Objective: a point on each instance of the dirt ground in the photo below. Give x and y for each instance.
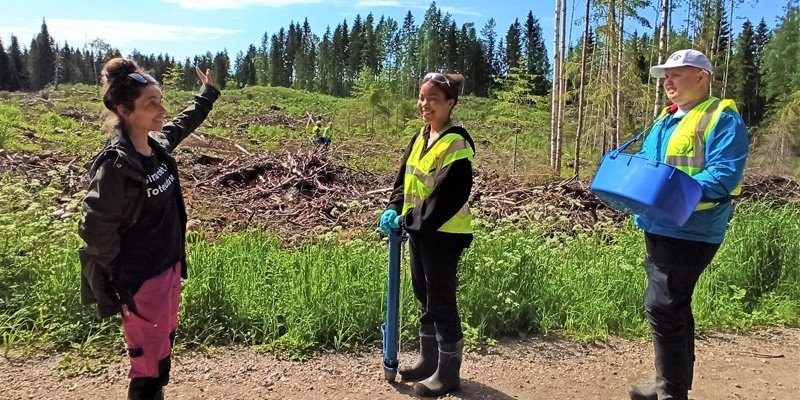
(761, 365)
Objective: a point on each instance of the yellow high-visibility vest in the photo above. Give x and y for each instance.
(686, 149)
(422, 168)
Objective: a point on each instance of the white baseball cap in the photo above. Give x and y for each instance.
(681, 58)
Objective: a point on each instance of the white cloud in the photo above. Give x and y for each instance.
(378, 3)
(460, 11)
(232, 4)
(451, 10)
(421, 5)
(118, 33)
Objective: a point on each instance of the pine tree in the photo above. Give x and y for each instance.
(276, 56)
(463, 55)
(452, 62)
(537, 64)
(189, 74)
(87, 67)
(489, 41)
(639, 48)
(66, 70)
(388, 46)
(514, 94)
(340, 59)
(291, 48)
(479, 63)
(409, 55)
(250, 66)
(502, 67)
(5, 69)
(220, 69)
(782, 58)
(430, 41)
(310, 55)
(372, 52)
(761, 40)
(42, 59)
(513, 52)
(173, 77)
(19, 72)
(356, 50)
(748, 77)
(325, 64)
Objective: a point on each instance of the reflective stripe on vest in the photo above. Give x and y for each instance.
(686, 149)
(423, 169)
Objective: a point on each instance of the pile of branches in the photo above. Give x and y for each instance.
(303, 189)
(46, 166)
(568, 202)
(307, 191)
(778, 189)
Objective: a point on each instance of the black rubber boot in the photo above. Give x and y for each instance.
(447, 377)
(645, 391)
(145, 389)
(428, 353)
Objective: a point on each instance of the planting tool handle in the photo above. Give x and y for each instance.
(391, 329)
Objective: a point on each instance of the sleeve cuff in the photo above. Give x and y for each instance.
(209, 92)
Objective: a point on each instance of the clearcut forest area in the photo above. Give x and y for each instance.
(287, 284)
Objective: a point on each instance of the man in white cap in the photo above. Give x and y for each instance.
(705, 137)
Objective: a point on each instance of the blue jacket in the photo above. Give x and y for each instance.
(727, 148)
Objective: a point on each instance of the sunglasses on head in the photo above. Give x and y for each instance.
(436, 76)
(141, 78)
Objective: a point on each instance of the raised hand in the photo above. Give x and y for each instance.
(204, 78)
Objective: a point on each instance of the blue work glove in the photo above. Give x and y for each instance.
(389, 220)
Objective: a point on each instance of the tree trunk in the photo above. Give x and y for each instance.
(610, 74)
(728, 58)
(562, 88)
(689, 26)
(662, 48)
(618, 83)
(715, 50)
(605, 134)
(57, 66)
(582, 92)
(555, 87)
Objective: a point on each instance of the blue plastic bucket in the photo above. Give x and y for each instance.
(636, 185)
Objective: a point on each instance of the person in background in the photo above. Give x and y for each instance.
(317, 128)
(705, 137)
(134, 222)
(429, 201)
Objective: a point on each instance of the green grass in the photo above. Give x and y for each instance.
(271, 137)
(9, 117)
(326, 294)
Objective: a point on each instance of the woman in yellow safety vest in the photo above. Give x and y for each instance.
(429, 201)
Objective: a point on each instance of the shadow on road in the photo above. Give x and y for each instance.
(470, 390)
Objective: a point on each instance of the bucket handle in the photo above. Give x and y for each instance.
(615, 152)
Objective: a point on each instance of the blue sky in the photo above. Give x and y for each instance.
(187, 27)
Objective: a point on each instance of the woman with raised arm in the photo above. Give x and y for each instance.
(134, 224)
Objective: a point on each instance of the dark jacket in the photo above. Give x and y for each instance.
(451, 190)
(112, 204)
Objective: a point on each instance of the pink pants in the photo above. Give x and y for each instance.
(150, 331)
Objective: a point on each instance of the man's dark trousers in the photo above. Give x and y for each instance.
(673, 267)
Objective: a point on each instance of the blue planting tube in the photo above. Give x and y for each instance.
(391, 329)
